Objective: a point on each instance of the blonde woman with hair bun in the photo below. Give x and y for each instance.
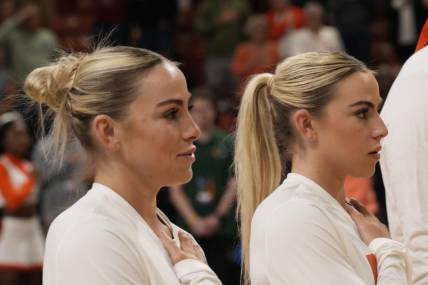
(129, 109)
(301, 131)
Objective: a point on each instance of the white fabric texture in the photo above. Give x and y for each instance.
(302, 235)
(102, 240)
(404, 161)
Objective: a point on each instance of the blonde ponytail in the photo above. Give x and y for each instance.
(257, 159)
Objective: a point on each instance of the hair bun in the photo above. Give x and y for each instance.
(50, 84)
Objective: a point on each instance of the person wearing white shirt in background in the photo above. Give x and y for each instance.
(316, 118)
(404, 161)
(129, 109)
(314, 37)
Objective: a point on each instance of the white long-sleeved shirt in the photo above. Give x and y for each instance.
(102, 240)
(301, 235)
(404, 161)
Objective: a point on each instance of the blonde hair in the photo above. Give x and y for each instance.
(78, 87)
(264, 134)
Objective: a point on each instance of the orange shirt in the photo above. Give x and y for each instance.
(15, 196)
(292, 18)
(250, 58)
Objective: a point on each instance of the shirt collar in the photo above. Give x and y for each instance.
(313, 188)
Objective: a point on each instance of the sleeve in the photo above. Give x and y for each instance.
(194, 272)
(404, 163)
(393, 263)
(303, 249)
(97, 257)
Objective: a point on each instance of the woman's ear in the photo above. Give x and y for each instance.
(106, 132)
(302, 121)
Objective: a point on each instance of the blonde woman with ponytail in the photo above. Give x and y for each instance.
(129, 109)
(300, 132)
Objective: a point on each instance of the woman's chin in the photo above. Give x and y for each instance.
(182, 178)
(364, 172)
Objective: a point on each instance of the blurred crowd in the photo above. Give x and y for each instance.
(219, 45)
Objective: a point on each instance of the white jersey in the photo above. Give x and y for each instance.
(404, 161)
(301, 235)
(102, 240)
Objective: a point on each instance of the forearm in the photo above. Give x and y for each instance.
(183, 205)
(227, 200)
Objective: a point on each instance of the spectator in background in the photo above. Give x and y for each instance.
(283, 17)
(7, 86)
(206, 204)
(316, 36)
(111, 19)
(408, 19)
(21, 239)
(388, 65)
(351, 17)
(73, 24)
(7, 9)
(153, 24)
(29, 44)
(258, 54)
(220, 22)
(192, 59)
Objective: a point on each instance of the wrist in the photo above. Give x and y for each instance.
(193, 221)
(217, 215)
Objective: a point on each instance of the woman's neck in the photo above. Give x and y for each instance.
(140, 195)
(319, 172)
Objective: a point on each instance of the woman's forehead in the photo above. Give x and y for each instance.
(358, 86)
(164, 82)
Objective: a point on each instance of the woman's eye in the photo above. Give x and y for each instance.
(171, 114)
(362, 114)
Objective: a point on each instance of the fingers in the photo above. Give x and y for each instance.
(355, 215)
(169, 244)
(360, 207)
(185, 241)
(200, 253)
(189, 246)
